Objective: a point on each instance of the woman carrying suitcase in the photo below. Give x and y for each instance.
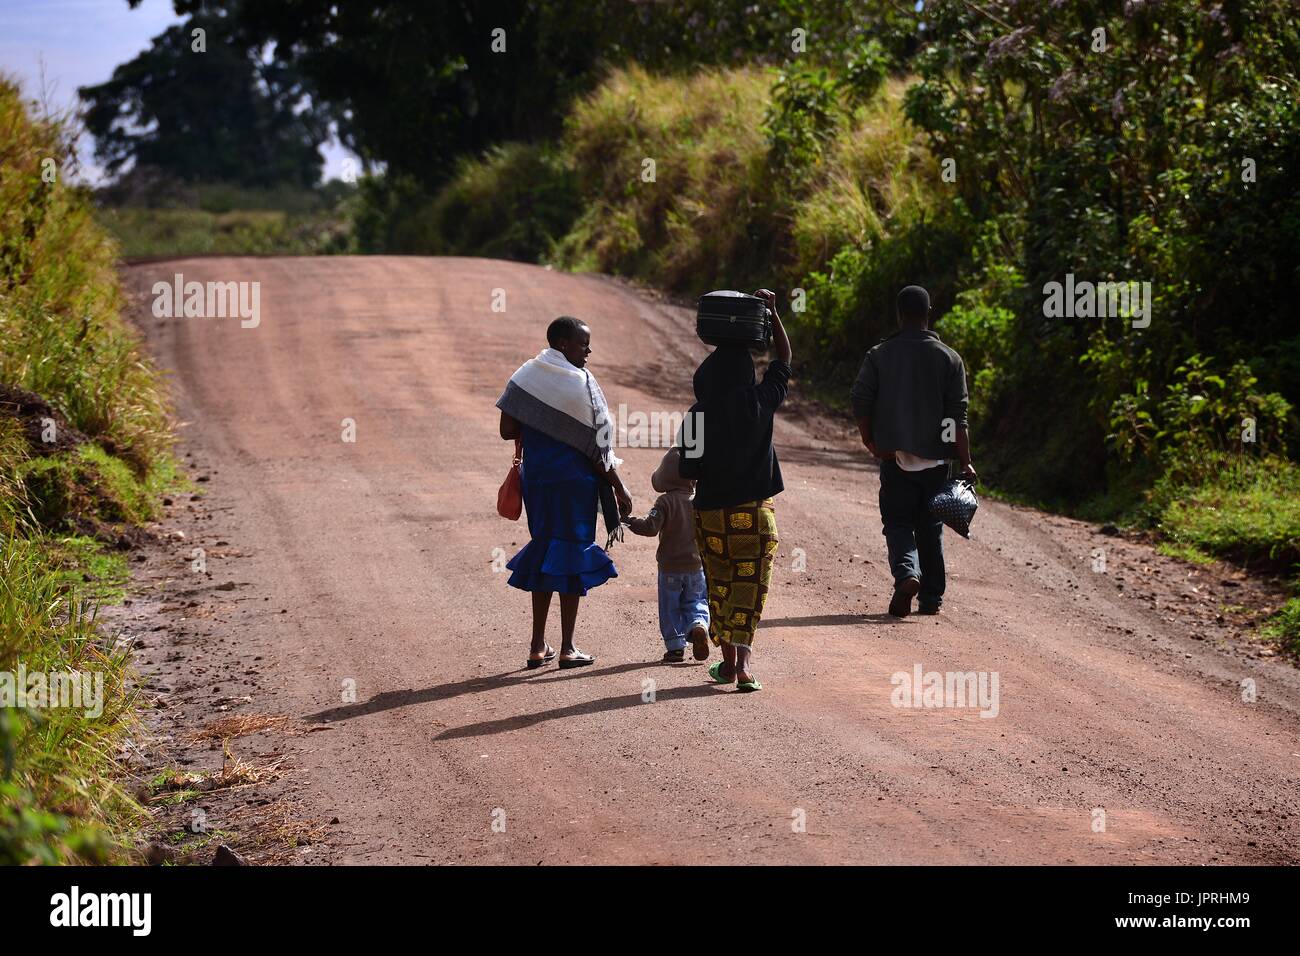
(736, 478)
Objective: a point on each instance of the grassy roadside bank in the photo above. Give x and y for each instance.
(84, 451)
(825, 188)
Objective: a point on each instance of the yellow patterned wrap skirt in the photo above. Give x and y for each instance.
(738, 546)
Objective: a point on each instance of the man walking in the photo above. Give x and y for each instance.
(910, 403)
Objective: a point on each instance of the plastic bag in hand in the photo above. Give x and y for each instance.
(955, 505)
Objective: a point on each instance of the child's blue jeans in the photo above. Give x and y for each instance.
(683, 603)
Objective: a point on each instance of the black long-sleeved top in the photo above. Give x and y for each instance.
(912, 388)
(738, 463)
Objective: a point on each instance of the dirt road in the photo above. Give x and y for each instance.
(1121, 732)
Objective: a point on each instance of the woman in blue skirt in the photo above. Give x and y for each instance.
(569, 472)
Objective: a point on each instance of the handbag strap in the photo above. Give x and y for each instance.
(519, 451)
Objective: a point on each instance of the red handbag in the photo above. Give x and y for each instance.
(510, 497)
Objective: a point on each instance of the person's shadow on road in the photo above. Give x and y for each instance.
(829, 620)
(505, 724)
(389, 700)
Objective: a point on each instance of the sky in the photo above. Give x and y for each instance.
(78, 43)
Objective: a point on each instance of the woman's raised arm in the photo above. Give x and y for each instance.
(780, 341)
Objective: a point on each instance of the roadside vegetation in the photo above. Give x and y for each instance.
(84, 452)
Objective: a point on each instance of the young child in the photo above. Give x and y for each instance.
(683, 596)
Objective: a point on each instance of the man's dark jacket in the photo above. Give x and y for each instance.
(912, 388)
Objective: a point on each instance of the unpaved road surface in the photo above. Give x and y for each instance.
(1121, 733)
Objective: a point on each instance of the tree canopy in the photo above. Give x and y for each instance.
(204, 105)
(414, 85)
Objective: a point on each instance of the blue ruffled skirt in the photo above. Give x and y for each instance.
(561, 499)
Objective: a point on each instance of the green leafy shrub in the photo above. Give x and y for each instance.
(865, 70)
(802, 119)
(391, 216)
(514, 202)
(1201, 412)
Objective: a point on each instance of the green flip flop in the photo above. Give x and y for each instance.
(713, 672)
(749, 686)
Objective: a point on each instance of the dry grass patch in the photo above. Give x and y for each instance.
(241, 725)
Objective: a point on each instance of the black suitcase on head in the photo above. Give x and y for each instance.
(726, 317)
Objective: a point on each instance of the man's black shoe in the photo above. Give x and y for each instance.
(904, 591)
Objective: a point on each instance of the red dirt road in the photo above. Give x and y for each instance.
(373, 562)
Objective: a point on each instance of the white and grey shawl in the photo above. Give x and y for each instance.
(564, 402)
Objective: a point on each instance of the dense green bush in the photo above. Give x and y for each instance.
(851, 305)
(514, 202)
(1129, 163)
(391, 216)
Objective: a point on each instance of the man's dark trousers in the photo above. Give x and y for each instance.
(913, 535)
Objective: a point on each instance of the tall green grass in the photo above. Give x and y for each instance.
(59, 796)
(718, 210)
(513, 202)
(61, 330)
(62, 336)
(700, 213)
